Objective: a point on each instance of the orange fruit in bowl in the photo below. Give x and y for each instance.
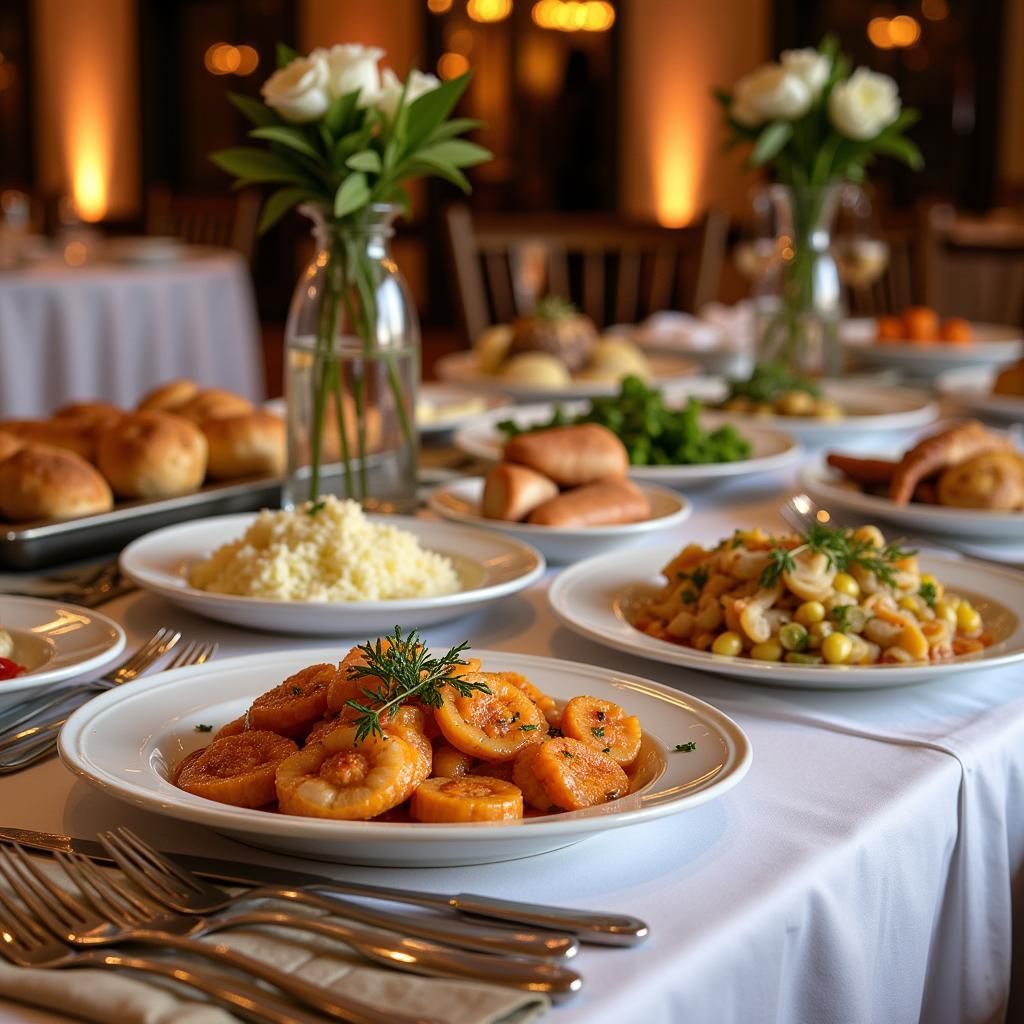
(890, 328)
(920, 323)
(956, 329)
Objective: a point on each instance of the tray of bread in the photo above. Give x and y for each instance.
(92, 476)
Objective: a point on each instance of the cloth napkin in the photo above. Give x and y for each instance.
(125, 997)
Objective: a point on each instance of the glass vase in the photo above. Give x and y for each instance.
(800, 305)
(352, 365)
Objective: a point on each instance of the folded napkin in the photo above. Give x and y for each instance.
(126, 997)
(717, 327)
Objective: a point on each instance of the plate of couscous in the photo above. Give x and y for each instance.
(327, 568)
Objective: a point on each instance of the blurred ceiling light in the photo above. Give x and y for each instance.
(88, 182)
(904, 30)
(574, 15)
(489, 10)
(878, 33)
(439, 6)
(225, 59)
(935, 10)
(451, 65)
(248, 60)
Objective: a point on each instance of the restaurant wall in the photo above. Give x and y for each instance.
(673, 54)
(1011, 141)
(86, 89)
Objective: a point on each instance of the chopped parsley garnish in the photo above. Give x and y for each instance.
(204, 728)
(840, 616)
(527, 728)
(598, 731)
(297, 691)
(686, 748)
(606, 750)
(315, 507)
(699, 577)
(567, 754)
(688, 597)
(928, 593)
(600, 716)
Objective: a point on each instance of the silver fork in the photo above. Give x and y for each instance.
(108, 914)
(28, 944)
(415, 955)
(159, 643)
(175, 887)
(38, 742)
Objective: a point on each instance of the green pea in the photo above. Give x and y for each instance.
(793, 637)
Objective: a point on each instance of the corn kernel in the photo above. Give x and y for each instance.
(728, 644)
(844, 583)
(836, 648)
(810, 612)
(770, 650)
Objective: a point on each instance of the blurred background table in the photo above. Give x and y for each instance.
(115, 330)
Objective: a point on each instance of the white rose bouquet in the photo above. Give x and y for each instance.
(816, 125)
(340, 138)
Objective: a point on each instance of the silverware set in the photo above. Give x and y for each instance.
(88, 586)
(29, 729)
(91, 916)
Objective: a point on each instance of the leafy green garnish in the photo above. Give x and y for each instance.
(405, 669)
(554, 308)
(315, 507)
(653, 434)
(769, 381)
(598, 731)
(686, 748)
(840, 615)
(204, 728)
(928, 593)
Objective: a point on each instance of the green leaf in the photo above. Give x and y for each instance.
(293, 138)
(367, 160)
(901, 148)
(254, 111)
(430, 109)
(439, 169)
(285, 55)
(456, 126)
(456, 152)
(352, 194)
(340, 113)
(258, 165)
(722, 97)
(398, 194)
(279, 204)
(770, 142)
(349, 144)
(829, 46)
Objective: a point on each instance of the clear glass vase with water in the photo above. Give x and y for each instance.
(352, 366)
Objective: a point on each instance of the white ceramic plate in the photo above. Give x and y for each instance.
(460, 502)
(461, 368)
(994, 344)
(971, 387)
(126, 740)
(870, 409)
(772, 449)
(596, 598)
(453, 407)
(55, 642)
(832, 491)
(491, 567)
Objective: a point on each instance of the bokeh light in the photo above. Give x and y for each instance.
(451, 65)
(489, 10)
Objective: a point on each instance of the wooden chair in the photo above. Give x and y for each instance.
(897, 288)
(227, 221)
(974, 266)
(615, 272)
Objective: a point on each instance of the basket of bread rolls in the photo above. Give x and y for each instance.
(564, 489)
(91, 466)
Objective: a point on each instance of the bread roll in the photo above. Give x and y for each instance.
(170, 396)
(599, 504)
(248, 445)
(41, 482)
(152, 455)
(94, 412)
(9, 444)
(213, 403)
(69, 433)
(571, 455)
(513, 492)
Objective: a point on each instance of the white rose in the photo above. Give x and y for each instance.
(809, 66)
(768, 94)
(864, 104)
(391, 89)
(350, 67)
(298, 91)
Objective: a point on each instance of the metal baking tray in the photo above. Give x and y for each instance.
(39, 544)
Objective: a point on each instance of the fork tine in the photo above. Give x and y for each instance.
(115, 903)
(143, 652)
(150, 863)
(208, 652)
(33, 934)
(159, 643)
(50, 911)
(24, 863)
(185, 656)
(151, 880)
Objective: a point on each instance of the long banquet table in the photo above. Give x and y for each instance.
(866, 869)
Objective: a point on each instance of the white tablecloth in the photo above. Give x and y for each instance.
(115, 330)
(861, 872)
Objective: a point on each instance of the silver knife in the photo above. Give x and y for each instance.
(600, 929)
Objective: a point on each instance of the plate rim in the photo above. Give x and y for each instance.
(77, 728)
(767, 673)
(407, 605)
(33, 680)
(683, 510)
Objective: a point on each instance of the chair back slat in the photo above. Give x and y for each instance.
(224, 221)
(614, 271)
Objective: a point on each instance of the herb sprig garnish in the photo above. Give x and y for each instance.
(405, 669)
(842, 550)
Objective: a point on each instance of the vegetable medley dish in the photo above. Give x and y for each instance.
(396, 733)
(833, 597)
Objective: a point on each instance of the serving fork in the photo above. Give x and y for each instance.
(38, 742)
(107, 914)
(178, 889)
